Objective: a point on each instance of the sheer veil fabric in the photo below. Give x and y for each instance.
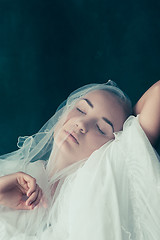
(114, 194)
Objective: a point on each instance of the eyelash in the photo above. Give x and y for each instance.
(81, 111)
(100, 130)
(96, 124)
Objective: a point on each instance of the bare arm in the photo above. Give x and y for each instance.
(148, 108)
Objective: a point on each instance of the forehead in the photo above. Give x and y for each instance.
(102, 98)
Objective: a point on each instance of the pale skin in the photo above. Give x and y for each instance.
(92, 122)
(90, 131)
(19, 191)
(148, 107)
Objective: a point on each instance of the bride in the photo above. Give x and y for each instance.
(91, 172)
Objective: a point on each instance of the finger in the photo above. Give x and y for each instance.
(32, 197)
(23, 206)
(31, 185)
(22, 184)
(37, 200)
(27, 182)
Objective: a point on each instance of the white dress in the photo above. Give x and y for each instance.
(115, 195)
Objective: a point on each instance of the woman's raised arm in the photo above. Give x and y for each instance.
(148, 108)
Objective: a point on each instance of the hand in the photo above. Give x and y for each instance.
(19, 191)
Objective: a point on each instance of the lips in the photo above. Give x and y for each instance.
(73, 136)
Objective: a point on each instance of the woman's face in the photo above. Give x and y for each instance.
(90, 124)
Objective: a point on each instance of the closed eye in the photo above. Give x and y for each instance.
(96, 124)
(80, 110)
(100, 130)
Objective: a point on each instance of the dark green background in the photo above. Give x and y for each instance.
(50, 48)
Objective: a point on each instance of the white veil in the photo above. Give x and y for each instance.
(37, 156)
(40, 145)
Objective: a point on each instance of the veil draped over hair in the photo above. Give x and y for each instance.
(39, 146)
(106, 196)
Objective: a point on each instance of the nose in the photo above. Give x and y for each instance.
(81, 126)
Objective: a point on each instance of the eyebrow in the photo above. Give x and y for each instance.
(109, 122)
(104, 118)
(89, 103)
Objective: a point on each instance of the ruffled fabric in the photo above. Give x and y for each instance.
(114, 195)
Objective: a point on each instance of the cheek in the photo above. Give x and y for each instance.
(65, 120)
(58, 137)
(73, 113)
(94, 142)
(71, 118)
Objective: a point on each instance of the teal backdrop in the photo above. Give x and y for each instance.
(49, 48)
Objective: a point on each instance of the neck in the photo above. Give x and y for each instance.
(57, 161)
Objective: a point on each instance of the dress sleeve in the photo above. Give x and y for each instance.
(117, 192)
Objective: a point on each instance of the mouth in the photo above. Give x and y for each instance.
(72, 137)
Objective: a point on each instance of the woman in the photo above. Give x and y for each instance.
(104, 197)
